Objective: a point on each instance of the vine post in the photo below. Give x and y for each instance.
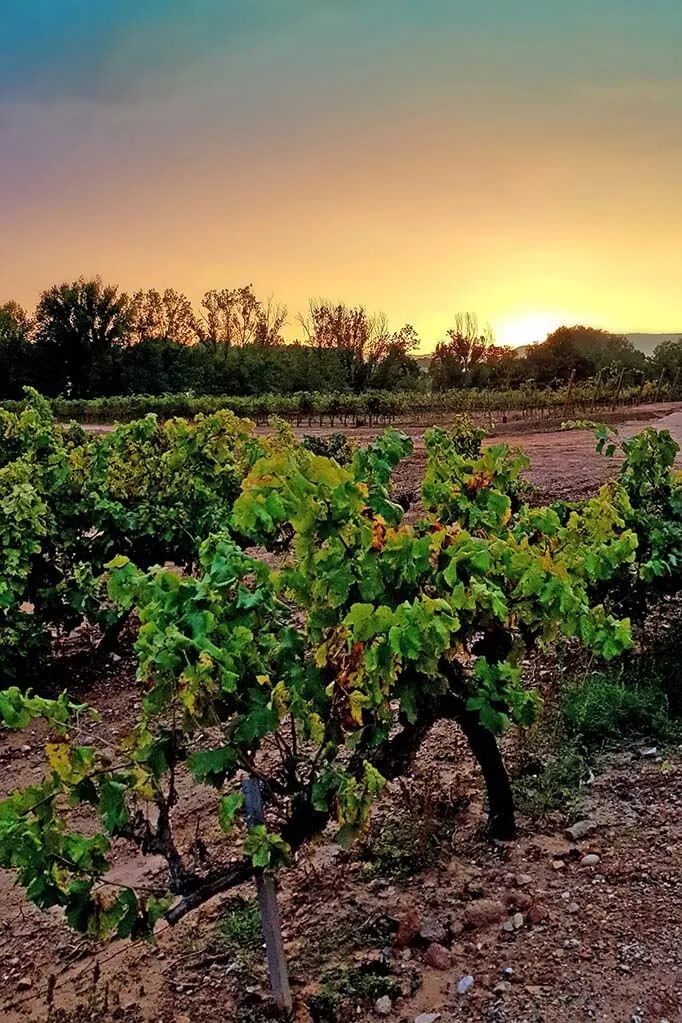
(269, 912)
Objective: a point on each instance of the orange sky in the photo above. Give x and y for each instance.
(515, 166)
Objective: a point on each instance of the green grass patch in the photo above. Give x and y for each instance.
(348, 990)
(605, 707)
(555, 784)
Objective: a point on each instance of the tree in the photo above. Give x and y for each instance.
(235, 317)
(362, 338)
(584, 351)
(467, 346)
(397, 367)
(667, 356)
(17, 365)
(79, 329)
(169, 316)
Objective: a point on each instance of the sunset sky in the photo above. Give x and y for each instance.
(518, 158)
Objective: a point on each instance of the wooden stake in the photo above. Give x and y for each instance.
(569, 391)
(597, 386)
(658, 387)
(269, 913)
(618, 388)
(673, 389)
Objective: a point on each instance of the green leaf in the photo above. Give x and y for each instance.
(227, 809)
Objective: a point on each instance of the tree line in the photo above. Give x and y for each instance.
(87, 339)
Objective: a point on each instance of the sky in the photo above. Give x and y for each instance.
(520, 159)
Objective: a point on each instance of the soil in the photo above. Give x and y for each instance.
(600, 942)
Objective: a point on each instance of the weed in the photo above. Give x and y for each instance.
(403, 844)
(239, 934)
(349, 990)
(554, 785)
(606, 707)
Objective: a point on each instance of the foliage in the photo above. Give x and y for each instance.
(319, 678)
(348, 989)
(554, 784)
(610, 706)
(70, 501)
(336, 446)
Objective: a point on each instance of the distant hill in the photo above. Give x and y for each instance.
(647, 342)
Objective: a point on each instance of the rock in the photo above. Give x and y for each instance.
(383, 1006)
(573, 908)
(508, 926)
(517, 921)
(465, 984)
(455, 927)
(533, 989)
(558, 864)
(503, 988)
(591, 860)
(538, 913)
(24, 983)
(427, 1017)
(408, 928)
(438, 957)
(581, 829)
(523, 879)
(520, 900)
(650, 751)
(25, 748)
(483, 912)
(508, 971)
(182, 1019)
(432, 930)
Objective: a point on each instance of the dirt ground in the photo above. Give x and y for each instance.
(595, 940)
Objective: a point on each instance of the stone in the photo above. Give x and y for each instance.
(438, 957)
(383, 1006)
(519, 900)
(573, 908)
(483, 912)
(533, 989)
(503, 988)
(427, 1017)
(591, 860)
(517, 921)
(432, 930)
(579, 830)
(538, 913)
(523, 879)
(650, 751)
(558, 864)
(24, 983)
(409, 926)
(465, 984)
(25, 748)
(508, 926)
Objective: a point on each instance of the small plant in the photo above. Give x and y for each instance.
(554, 785)
(334, 445)
(607, 707)
(239, 927)
(346, 991)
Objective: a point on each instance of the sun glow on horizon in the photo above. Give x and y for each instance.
(528, 328)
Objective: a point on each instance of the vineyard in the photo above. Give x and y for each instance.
(293, 618)
(345, 409)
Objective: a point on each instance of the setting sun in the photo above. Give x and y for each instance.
(529, 327)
